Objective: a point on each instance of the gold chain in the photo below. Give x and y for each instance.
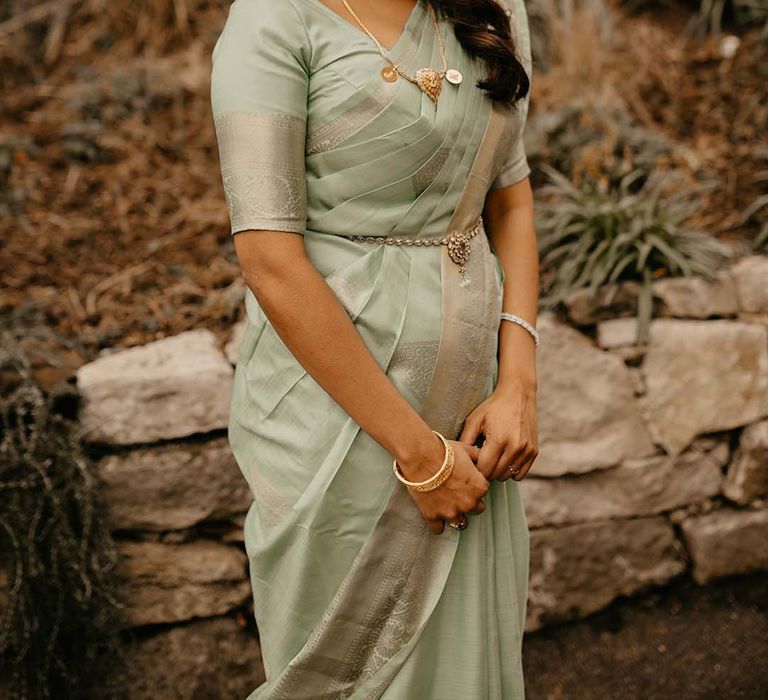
(393, 63)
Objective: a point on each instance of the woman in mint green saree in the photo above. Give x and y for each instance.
(355, 595)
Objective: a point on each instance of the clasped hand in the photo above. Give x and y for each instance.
(508, 423)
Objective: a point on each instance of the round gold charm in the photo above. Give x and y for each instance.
(389, 74)
(453, 76)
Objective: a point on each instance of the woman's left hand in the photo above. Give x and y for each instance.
(508, 421)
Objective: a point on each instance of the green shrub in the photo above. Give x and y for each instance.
(589, 238)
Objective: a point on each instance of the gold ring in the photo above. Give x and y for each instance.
(461, 525)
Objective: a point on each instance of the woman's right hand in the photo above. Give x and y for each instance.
(460, 493)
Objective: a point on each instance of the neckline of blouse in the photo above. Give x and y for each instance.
(407, 31)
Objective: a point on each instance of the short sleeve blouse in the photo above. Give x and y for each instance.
(515, 167)
(261, 66)
(259, 86)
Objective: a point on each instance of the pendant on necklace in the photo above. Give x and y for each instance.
(430, 81)
(389, 74)
(453, 76)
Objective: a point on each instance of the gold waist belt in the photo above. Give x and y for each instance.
(457, 242)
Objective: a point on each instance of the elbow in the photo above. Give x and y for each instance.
(258, 270)
(269, 261)
(262, 275)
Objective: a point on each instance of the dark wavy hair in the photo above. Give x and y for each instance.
(483, 29)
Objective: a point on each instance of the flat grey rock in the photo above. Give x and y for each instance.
(589, 416)
(175, 582)
(727, 542)
(174, 486)
(169, 388)
(703, 376)
(579, 569)
(637, 487)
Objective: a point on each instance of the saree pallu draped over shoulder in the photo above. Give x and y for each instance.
(354, 596)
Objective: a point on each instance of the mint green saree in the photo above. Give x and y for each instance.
(354, 596)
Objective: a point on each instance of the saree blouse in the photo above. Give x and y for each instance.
(313, 140)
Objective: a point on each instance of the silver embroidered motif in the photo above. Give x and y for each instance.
(387, 597)
(413, 364)
(272, 504)
(262, 170)
(332, 134)
(426, 174)
(474, 340)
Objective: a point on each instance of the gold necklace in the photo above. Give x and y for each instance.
(428, 79)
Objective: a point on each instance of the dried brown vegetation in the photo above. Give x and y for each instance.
(112, 204)
(110, 199)
(690, 91)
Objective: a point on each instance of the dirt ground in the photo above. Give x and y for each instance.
(685, 642)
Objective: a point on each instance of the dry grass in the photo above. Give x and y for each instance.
(110, 194)
(114, 203)
(578, 45)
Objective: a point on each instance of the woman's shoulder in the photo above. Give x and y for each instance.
(518, 18)
(293, 13)
(513, 6)
(267, 28)
(261, 13)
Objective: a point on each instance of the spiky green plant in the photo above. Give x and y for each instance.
(759, 208)
(595, 240)
(757, 211)
(58, 612)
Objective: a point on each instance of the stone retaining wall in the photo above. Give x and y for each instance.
(653, 462)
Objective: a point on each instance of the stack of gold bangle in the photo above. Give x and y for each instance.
(434, 481)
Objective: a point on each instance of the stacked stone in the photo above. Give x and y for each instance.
(637, 480)
(653, 463)
(176, 502)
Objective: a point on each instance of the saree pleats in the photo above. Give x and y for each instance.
(353, 570)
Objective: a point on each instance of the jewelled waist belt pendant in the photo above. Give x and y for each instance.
(457, 242)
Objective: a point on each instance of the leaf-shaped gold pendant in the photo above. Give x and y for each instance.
(429, 80)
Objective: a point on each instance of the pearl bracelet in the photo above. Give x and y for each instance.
(506, 316)
(434, 481)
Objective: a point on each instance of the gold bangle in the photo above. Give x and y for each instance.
(438, 478)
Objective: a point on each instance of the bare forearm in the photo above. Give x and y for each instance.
(513, 236)
(316, 328)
